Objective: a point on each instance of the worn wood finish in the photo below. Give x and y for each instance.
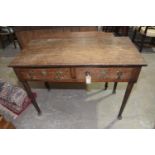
(70, 56)
(98, 50)
(67, 38)
(77, 74)
(117, 74)
(43, 74)
(26, 34)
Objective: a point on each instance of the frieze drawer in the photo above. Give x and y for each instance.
(51, 74)
(118, 74)
(78, 74)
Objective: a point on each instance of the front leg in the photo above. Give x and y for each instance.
(126, 96)
(30, 94)
(114, 88)
(47, 85)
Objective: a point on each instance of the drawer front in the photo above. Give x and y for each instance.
(50, 74)
(78, 74)
(117, 74)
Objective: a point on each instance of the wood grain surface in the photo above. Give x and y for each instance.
(27, 33)
(80, 49)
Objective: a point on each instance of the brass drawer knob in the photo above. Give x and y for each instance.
(57, 78)
(119, 75)
(59, 75)
(44, 73)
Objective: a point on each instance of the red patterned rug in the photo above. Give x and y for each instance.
(13, 99)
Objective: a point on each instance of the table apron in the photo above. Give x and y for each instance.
(78, 74)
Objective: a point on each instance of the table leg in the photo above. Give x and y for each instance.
(126, 96)
(106, 86)
(114, 89)
(47, 86)
(30, 94)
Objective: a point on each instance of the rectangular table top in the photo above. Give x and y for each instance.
(80, 49)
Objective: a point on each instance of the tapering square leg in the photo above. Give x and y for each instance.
(114, 88)
(47, 85)
(106, 86)
(126, 96)
(31, 96)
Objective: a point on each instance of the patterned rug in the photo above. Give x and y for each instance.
(7, 104)
(13, 99)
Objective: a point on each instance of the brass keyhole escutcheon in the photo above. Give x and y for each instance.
(119, 75)
(87, 73)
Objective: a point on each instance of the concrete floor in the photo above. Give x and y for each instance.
(76, 108)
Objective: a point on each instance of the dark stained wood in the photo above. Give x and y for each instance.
(55, 28)
(28, 33)
(72, 72)
(101, 50)
(126, 96)
(107, 74)
(47, 85)
(106, 86)
(30, 94)
(77, 74)
(118, 30)
(114, 88)
(68, 57)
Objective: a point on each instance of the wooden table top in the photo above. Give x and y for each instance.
(80, 49)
